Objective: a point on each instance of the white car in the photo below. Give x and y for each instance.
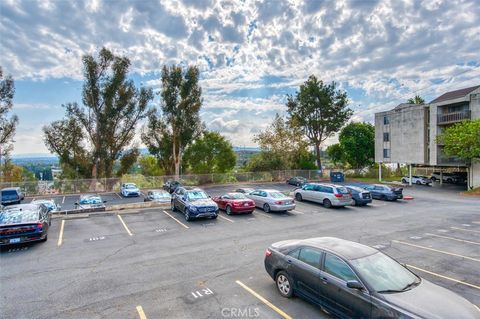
(419, 180)
(271, 200)
(49, 203)
(90, 201)
(129, 189)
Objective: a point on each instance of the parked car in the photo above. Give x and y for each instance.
(297, 181)
(51, 205)
(326, 194)
(160, 196)
(129, 189)
(12, 195)
(24, 223)
(235, 203)
(171, 186)
(351, 280)
(271, 200)
(385, 192)
(244, 190)
(90, 201)
(360, 196)
(460, 177)
(194, 203)
(447, 177)
(418, 180)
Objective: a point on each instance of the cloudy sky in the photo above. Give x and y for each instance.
(250, 53)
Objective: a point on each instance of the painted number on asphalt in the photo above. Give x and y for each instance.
(13, 250)
(161, 230)
(202, 293)
(96, 238)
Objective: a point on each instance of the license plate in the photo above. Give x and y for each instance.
(14, 240)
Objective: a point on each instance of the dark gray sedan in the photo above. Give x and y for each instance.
(351, 280)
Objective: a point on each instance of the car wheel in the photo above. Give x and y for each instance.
(383, 197)
(327, 203)
(404, 181)
(355, 203)
(45, 239)
(228, 210)
(187, 217)
(298, 197)
(214, 217)
(418, 182)
(433, 179)
(173, 207)
(284, 285)
(266, 208)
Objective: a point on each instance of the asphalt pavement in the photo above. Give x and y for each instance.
(154, 264)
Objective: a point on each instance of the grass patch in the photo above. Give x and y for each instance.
(474, 192)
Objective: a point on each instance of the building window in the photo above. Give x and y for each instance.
(386, 153)
(386, 120)
(386, 137)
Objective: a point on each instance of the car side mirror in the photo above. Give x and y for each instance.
(184, 198)
(353, 284)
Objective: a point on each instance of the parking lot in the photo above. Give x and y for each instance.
(151, 263)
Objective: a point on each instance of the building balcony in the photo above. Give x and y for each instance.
(448, 118)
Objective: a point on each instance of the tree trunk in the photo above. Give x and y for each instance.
(176, 158)
(317, 154)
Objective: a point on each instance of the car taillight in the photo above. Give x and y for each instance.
(279, 202)
(268, 253)
(338, 195)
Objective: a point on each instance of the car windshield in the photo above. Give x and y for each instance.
(276, 195)
(160, 195)
(194, 195)
(91, 200)
(130, 186)
(237, 196)
(383, 273)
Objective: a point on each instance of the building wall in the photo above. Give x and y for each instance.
(407, 135)
(475, 104)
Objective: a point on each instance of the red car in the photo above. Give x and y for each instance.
(235, 203)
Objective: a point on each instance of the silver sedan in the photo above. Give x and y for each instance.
(271, 200)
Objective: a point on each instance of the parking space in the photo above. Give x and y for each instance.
(152, 263)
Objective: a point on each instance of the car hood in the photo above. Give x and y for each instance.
(203, 202)
(131, 190)
(431, 301)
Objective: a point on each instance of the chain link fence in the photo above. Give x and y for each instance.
(103, 185)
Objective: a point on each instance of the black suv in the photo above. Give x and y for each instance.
(171, 186)
(194, 203)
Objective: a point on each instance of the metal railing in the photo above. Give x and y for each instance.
(103, 185)
(448, 118)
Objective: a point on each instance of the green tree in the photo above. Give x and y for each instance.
(169, 132)
(462, 140)
(336, 154)
(320, 110)
(211, 153)
(357, 141)
(266, 161)
(112, 107)
(417, 99)
(149, 166)
(287, 141)
(7, 125)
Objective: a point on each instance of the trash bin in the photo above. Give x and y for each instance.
(336, 177)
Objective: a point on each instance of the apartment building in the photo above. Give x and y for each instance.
(407, 134)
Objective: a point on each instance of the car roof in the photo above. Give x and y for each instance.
(89, 195)
(22, 207)
(193, 189)
(11, 189)
(158, 190)
(347, 249)
(357, 188)
(326, 184)
(234, 193)
(268, 190)
(43, 200)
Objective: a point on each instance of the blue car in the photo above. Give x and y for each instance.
(12, 195)
(194, 203)
(360, 196)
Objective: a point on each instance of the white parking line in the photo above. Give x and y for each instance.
(118, 195)
(445, 277)
(467, 230)
(453, 238)
(125, 225)
(141, 313)
(185, 226)
(60, 236)
(63, 200)
(262, 214)
(227, 219)
(436, 250)
(297, 212)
